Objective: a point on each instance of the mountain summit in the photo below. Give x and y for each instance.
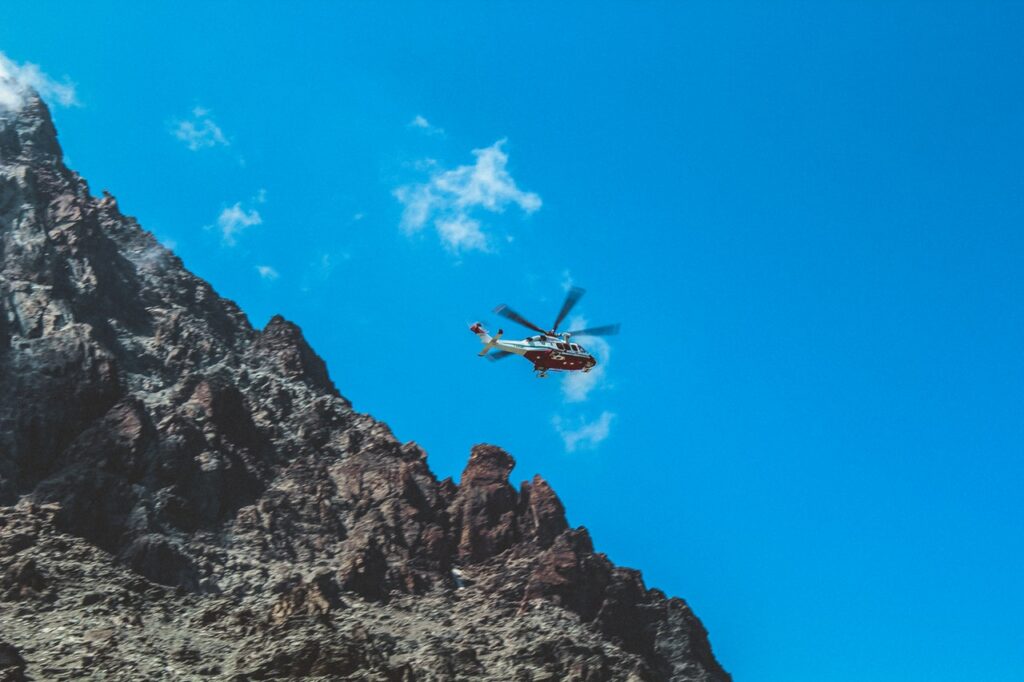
(186, 496)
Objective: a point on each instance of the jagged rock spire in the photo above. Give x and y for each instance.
(27, 132)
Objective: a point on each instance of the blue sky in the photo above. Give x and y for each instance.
(807, 216)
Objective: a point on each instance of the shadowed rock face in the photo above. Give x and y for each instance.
(149, 437)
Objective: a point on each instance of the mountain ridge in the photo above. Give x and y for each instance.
(232, 515)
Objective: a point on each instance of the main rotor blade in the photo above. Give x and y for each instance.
(499, 354)
(571, 298)
(606, 330)
(505, 311)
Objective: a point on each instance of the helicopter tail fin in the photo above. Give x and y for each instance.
(488, 341)
(481, 333)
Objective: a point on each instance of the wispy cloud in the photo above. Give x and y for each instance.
(16, 81)
(461, 233)
(199, 131)
(450, 197)
(584, 435)
(319, 270)
(267, 272)
(234, 219)
(421, 123)
(567, 280)
(577, 386)
(324, 264)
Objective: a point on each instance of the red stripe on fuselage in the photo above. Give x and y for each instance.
(552, 359)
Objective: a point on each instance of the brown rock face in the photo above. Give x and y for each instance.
(541, 514)
(282, 349)
(317, 598)
(484, 511)
(199, 492)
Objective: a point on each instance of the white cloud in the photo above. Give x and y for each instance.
(267, 272)
(419, 203)
(577, 386)
(449, 197)
(461, 233)
(234, 219)
(16, 80)
(200, 131)
(586, 435)
(423, 124)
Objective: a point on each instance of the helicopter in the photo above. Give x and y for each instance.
(550, 350)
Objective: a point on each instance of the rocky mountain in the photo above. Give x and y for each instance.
(184, 496)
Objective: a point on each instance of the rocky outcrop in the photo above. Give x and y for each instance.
(12, 665)
(183, 491)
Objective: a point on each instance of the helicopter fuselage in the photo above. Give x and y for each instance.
(546, 352)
